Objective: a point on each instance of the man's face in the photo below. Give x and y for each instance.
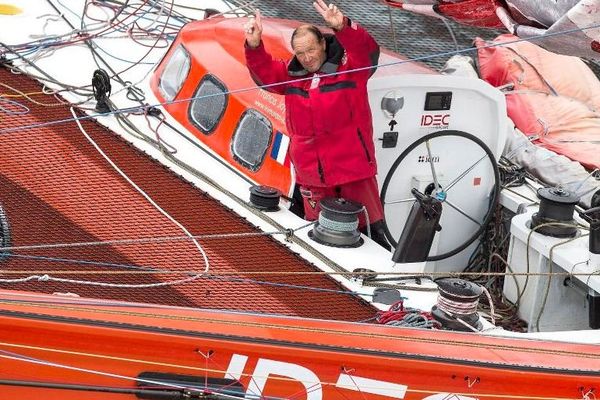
(309, 51)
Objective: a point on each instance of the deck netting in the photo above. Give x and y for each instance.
(56, 188)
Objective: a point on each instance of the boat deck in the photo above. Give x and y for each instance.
(58, 190)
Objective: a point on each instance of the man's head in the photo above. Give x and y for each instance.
(309, 47)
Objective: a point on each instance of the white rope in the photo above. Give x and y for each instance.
(18, 357)
(147, 197)
(141, 191)
(48, 278)
(367, 221)
(89, 371)
(454, 308)
(489, 297)
(467, 325)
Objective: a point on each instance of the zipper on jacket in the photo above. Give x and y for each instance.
(320, 169)
(364, 146)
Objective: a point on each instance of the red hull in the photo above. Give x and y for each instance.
(107, 346)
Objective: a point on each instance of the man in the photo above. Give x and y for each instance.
(327, 110)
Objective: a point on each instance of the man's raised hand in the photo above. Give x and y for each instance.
(253, 30)
(331, 14)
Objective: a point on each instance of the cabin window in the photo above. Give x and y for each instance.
(175, 73)
(208, 106)
(251, 139)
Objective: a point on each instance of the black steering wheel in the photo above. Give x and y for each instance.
(453, 166)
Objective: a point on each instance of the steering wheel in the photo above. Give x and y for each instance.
(459, 170)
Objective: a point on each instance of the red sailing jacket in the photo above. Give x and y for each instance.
(330, 124)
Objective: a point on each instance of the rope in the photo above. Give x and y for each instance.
(454, 308)
(491, 302)
(12, 107)
(367, 221)
(398, 315)
(349, 273)
(156, 239)
(28, 96)
(17, 357)
(529, 236)
(144, 194)
(48, 278)
(547, 289)
(337, 226)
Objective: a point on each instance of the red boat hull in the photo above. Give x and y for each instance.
(75, 345)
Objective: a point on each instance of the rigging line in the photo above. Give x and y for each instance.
(206, 370)
(547, 288)
(18, 357)
(116, 75)
(145, 362)
(144, 194)
(112, 358)
(48, 78)
(157, 239)
(177, 15)
(88, 41)
(408, 275)
(153, 363)
(13, 107)
(527, 259)
(289, 286)
(247, 89)
(46, 276)
(140, 393)
(28, 96)
(138, 268)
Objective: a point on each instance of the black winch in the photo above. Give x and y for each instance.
(265, 198)
(338, 223)
(457, 305)
(556, 208)
(102, 88)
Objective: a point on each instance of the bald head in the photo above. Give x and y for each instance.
(309, 47)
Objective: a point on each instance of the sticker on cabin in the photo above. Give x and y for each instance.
(440, 121)
(279, 150)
